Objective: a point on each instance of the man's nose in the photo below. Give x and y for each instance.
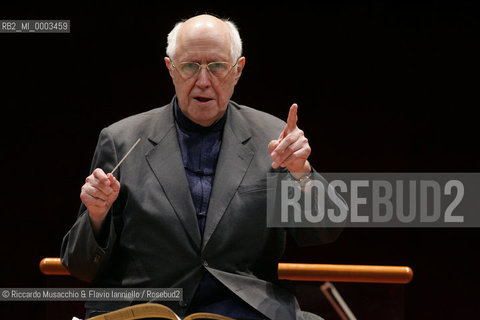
(203, 78)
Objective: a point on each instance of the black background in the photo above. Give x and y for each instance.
(381, 87)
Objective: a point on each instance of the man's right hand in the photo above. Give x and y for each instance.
(98, 194)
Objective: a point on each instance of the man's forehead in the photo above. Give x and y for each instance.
(203, 29)
(204, 38)
(208, 53)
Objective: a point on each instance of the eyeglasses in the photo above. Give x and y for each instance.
(218, 69)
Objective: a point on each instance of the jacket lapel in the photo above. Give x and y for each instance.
(166, 162)
(233, 162)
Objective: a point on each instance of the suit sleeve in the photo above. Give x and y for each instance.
(83, 254)
(326, 232)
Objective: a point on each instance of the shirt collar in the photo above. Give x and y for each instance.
(188, 125)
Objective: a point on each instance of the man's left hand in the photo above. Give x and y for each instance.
(291, 149)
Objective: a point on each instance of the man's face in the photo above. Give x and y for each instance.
(204, 98)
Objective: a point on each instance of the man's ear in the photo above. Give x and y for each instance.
(239, 68)
(169, 65)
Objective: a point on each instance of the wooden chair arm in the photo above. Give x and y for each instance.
(344, 273)
(301, 272)
(53, 266)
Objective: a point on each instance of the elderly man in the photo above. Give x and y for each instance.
(187, 208)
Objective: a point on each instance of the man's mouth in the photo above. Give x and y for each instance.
(203, 99)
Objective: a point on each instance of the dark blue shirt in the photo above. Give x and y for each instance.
(200, 147)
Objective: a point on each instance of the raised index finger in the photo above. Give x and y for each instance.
(291, 121)
(292, 118)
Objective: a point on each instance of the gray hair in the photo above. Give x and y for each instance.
(235, 45)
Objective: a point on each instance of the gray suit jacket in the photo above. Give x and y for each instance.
(151, 236)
